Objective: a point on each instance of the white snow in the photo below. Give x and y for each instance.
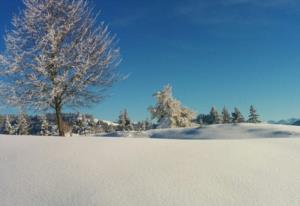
(242, 165)
(228, 131)
(110, 122)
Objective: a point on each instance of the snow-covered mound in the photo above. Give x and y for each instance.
(220, 131)
(228, 131)
(76, 171)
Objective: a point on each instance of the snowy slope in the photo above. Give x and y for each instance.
(228, 131)
(38, 171)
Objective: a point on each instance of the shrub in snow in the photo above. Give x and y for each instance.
(253, 116)
(168, 111)
(237, 116)
(106, 127)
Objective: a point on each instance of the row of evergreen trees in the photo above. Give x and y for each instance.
(75, 123)
(225, 118)
(125, 123)
(21, 125)
(169, 113)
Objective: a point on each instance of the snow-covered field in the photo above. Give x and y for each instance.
(237, 165)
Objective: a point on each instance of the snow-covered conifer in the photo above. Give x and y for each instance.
(8, 128)
(253, 116)
(22, 126)
(144, 126)
(82, 125)
(237, 116)
(124, 121)
(169, 112)
(44, 126)
(57, 55)
(225, 116)
(214, 115)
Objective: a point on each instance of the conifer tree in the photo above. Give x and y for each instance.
(8, 129)
(253, 116)
(225, 116)
(124, 121)
(82, 125)
(144, 126)
(22, 125)
(214, 115)
(237, 116)
(44, 128)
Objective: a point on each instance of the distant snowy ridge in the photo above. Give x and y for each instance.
(291, 121)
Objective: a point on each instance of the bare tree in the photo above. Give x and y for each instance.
(57, 55)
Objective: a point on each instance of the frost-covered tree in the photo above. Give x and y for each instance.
(253, 116)
(8, 128)
(214, 115)
(225, 116)
(169, 112)
(124, 121)
(57, 55)
(44, 126)
(22, 126)
(237, 116)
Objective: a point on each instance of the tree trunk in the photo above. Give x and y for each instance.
(59, 121)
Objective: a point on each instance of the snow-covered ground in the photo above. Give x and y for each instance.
(230, 166)
(228, 131)
(221, 131)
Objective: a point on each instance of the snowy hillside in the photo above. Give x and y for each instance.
(242, 166)
(220, 131)
(229, 131)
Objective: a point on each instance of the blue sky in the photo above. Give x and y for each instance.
(213, 52)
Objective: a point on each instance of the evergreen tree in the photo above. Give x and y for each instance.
(22, 126)
(144, 126)
(225, 116)
(44, 126)
(8, 129)
(237, 116)
(86, 126)
(148, 124)
(203, 119)
(82, 125)
(253, 116)
(201, 123)
(124, 121)
(214, 115)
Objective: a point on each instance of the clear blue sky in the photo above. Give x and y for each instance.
(213, 52)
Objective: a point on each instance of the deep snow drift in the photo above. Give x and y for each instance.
(37, 171)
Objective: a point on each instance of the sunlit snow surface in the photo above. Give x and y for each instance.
(230, 165)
